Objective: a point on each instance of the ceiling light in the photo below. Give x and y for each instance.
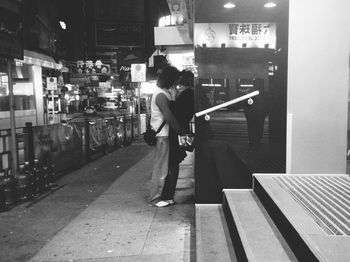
(270, 5)
(63, 25)
(229, 5)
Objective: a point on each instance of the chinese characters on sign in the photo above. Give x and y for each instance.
(249, 31)
(257, 35)
(90, 67)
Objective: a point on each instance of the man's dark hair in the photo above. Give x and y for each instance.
(186, 78)
(168, 77)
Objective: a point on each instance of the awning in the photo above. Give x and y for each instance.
(35, 58)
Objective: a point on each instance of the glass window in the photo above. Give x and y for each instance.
(4, 93)
(23, 90)
(167, 21)
(23, 95)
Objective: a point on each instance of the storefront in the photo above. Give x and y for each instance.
(29, 89)
(235, 55)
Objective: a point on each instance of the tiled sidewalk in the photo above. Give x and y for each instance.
(120, 226)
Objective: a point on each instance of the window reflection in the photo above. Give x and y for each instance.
(23, 90)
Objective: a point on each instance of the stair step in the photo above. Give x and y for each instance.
(307, 208)
(213, 241)
(254, 234)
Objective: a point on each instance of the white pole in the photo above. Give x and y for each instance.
(53, 106)
(139, 108)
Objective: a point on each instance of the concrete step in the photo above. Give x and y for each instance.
(255, 236)
(311, 211)
(213, 241)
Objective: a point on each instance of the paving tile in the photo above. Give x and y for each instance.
(165, 237)
(120, 226)
(94, 239)
(185, 183)
(168, 257)
(186, 172)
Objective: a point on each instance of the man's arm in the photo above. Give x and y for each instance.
(163, 103)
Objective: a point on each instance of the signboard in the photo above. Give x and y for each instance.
(90, 67)
(120, 34)
(124, 68)
(81, 81)
(138, 72)
(104, 88)
(248, 85)
(248, 35)
(10, 34)
(119, 10)
(51, 83)
(178, 10)
(211, 92)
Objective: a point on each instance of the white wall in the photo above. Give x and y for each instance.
(318, 68)
(172, 35)
(177, 56)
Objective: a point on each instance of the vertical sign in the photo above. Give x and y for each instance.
(51, 83)
(138, 72)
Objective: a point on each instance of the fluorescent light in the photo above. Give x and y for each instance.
(63, 25)
(229, 5)
(270, 5)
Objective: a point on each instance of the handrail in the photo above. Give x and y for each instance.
(228, 103)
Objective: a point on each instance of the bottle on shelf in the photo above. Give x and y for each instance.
(52, 175)
(9, 188)
(42, 178)
(24, 185)
(2, 192)
(28, 169)
(49, 173)
(46, 176)
(39, 183)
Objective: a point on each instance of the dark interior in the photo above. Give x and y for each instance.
(241, 139)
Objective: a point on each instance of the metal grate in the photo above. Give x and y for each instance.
(327, 198)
